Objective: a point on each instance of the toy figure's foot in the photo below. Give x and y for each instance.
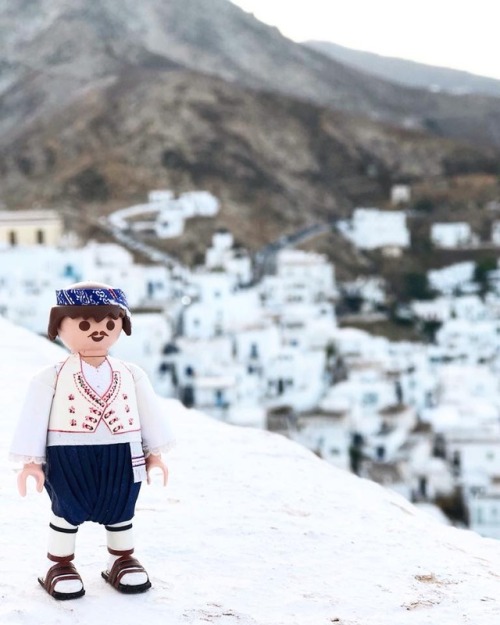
(62, 581)
(127, 575)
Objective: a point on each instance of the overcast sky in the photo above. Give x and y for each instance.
(448, 33)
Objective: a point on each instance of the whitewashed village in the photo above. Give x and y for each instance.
(420, 418)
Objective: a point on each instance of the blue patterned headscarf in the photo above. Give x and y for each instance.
(97, 296)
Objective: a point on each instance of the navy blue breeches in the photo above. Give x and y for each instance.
(91, 483)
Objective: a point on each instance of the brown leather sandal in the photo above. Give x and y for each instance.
(123, 565)
(63, 570)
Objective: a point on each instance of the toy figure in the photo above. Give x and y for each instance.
(91, 430)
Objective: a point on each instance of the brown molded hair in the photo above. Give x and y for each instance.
(58, 313)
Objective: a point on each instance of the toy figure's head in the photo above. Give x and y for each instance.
(89, 317)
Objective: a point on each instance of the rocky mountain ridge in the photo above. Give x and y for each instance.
(46, 64)
(409, 73)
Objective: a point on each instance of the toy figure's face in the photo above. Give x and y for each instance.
(89, 337)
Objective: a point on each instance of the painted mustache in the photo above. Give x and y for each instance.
(97, 336)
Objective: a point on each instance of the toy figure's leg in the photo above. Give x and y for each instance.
(124, 572)
(62, 580)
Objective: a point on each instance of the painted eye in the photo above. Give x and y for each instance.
(84, 326)
(110, 325)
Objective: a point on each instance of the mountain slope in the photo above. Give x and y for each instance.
(252, 529)
(409, 73)
(101, 102)
(46, 65)
(271, 160)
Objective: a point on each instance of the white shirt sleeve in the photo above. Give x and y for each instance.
(30, 436)
(156, 433)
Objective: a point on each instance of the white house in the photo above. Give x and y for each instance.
(363, 398)
(301, 278)
(452, 235)
(325, 433)
(428, 475)
(295, 378)
(223, 255)
(439, 309)
(255, 346)
(310, 326)
(468, 341)
(359, 349)
(371, 228)
(165, 214)
(220, 308)
(400, 193)
(451, 279)
(371, 290)
(169, 221)
(201, 203)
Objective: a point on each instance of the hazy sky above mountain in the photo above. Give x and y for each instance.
(460, 35)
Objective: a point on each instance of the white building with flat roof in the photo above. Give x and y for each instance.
(453, 234)
(301, 278)
(371, 228)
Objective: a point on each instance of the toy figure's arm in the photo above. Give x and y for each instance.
(154, 461)
(32, 469)
(30, 437)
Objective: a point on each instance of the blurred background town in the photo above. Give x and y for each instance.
(308, 240)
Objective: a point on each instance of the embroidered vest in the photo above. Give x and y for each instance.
(77, 408)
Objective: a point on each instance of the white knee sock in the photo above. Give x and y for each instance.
(62, 539)
(120, 538)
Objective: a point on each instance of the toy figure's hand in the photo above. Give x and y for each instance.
(30, 470)
(155, 462)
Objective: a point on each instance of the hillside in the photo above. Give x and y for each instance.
(45, 66)
(192, 95)
(409, 73)
(270, 159)
(252, 529)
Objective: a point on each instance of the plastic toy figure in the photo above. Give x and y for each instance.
(90, 431)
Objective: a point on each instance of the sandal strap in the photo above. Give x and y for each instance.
(121, 552)
(61, 558)
(125, 564)
(61, 571)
